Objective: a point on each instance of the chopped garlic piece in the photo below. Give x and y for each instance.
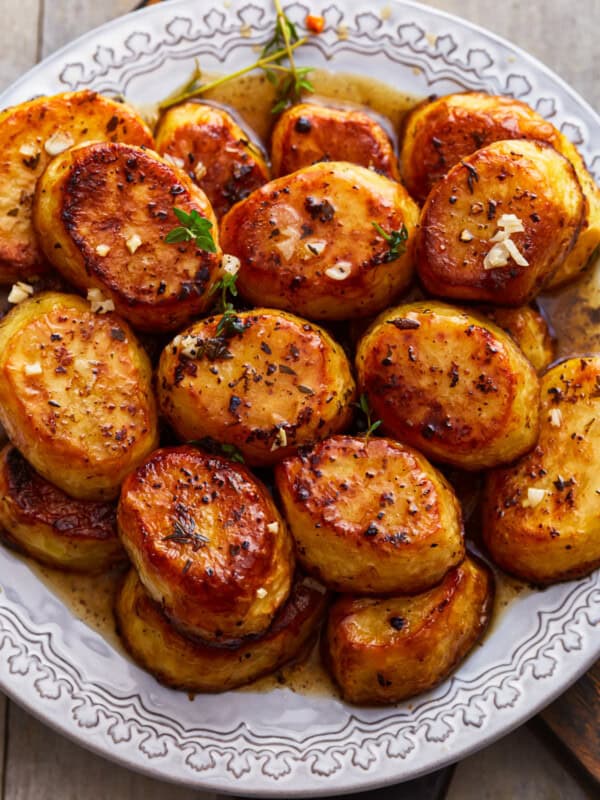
(99, 303)
(231, 264)
(534, 497)
(555, 417)
(188, 345)
(340, 271)
(496, 257)
(273, 527)
(133, 243)
(287, 245)
(466, 236)
(280, 439)
(33, 369)
(261, 592)
(103, 250)
(199, 171)
(515, 253)
(19, 292)
(314, 248)
(58, 143)
(176, 162)
(28, 150)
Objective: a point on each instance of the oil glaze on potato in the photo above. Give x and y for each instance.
(183, 663)
(30, 134)
(75, 394)
(526, 185)
(216, 153)
(529, 330)
(449, 383)
(541, 516)
(370, 516)
(42, 521)
(383, 650)
(208, 543)
(307, 133)
(279, 383)
(102, 212)
(307, 242)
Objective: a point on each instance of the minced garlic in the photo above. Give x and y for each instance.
(261, 592)
(280, 439)
(340, 271)
(20, 291)
(33, 369)
(231, 264)
(133, 243)
(273, 527)
(555, 417)
(99, 303)
(102, 250)
(504, 248)
(58, 143)
(534, 497)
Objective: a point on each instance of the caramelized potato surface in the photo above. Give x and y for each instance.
(30, 134)
(370, 516)
(449, 383)
(211, 147)
(48, 525)
(524, 188)
(102, 212)
(307, 133)
(383, 650)
(279, 383)
(307, 242)
(208, 543)
(529, 330)
(183, 663)
(541, 516)
(75, 394)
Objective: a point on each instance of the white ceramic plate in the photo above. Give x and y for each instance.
(282, 743)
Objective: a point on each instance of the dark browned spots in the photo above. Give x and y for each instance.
(112, 123)
(234, 403)
(371, 531)
(265, 348)
(491, 212)
(472, 176)
(428, 431)
(287, 370)
(305, 389)
(161, 288)
(561, 484)
(176, 189)
(397, 623)
(534, 217)
(118, 334)
(303, 125)
(319, 209)
(485, 384)
(382, 680)
(554, 533)
(405, 324)
(55, 337)
(453, 375)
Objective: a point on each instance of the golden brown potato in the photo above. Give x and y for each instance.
(442, 132)
(499, 224)
(75, 394)
(540, 515)
(308, 132)
(211, 147)
(102, 212)
(43, 522)
(279, 383)
(449, 383)
(383, 650)
(529, 330)
(370, 516)
(208, 543)
(183, 663)
(307, 242)
(30, 135)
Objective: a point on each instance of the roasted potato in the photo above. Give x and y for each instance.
(449, 383)
(383, 650)
(208, 543)
(529, 330)
(307, 242)
(42, 521)
(75, 394)
(499, 224)
(370, 516)
(308, 132)
(102, 212)
(541, 519)
(30, 135)
(277, 383)
(211, 147)
(183, 663)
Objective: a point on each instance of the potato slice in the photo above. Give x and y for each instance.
(541, 519)
(75, 394)
(42, 521)
(308, 132)
(30, 135)
(211, 147)
(529, 330)
(102, 212)
(383, 650)
(208, 543)
(307, 242)
(183, 663)
(449, 383)
(370, 516)
(278, 383)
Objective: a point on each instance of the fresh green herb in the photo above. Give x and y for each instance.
(230, 323)
(289, 81)
(396, 241)
(193, 228)
(363, 405)
(232, 453)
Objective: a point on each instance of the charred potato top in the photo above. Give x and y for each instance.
(541, 516)
(102, 212)
(449, 383)
(210, 146)
(499, 224)
(30, 135)
(370, 516)
(75, 394)
(307, 133)
(208, 543)
(307, 242)
(529, 330)
(274, 383)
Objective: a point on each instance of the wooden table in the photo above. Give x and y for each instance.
(38, 763)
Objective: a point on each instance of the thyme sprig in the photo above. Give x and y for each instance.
(230, 323)
(193, 228)
(372, 425)
(396, 240)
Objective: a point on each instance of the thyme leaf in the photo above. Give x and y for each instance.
(371, 425)
(396, 240)
(193, 228)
